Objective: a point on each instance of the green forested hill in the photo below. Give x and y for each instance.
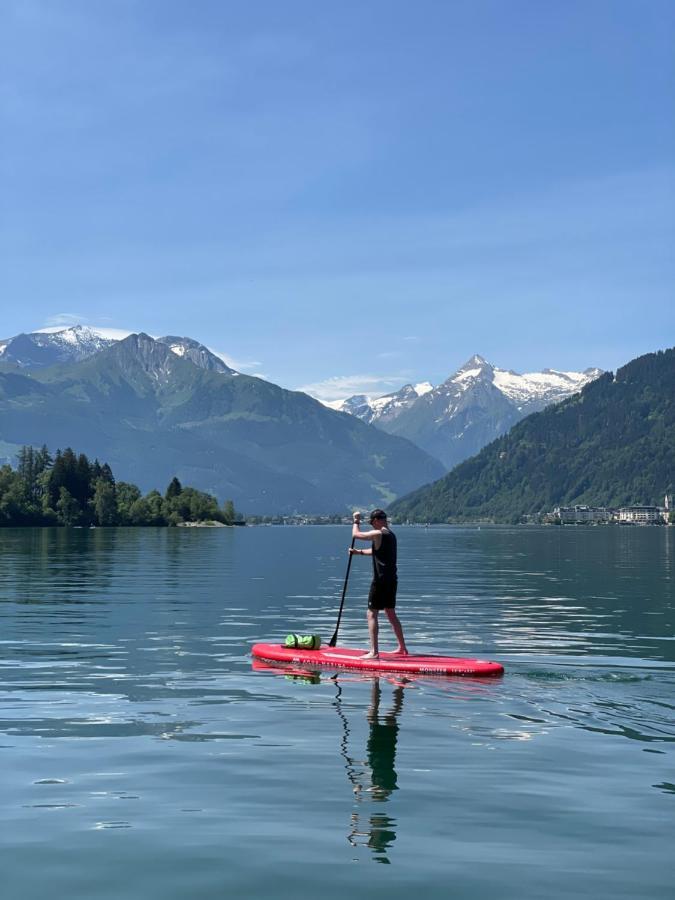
(613, 444)
(152, 415)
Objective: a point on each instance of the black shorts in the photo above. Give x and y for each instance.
(382, 595)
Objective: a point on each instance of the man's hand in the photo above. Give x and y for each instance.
(357, 518)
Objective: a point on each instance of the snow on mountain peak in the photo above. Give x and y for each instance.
(476, 367)
(74, 334)
(466, 374)
(476, 362)
(384, 408)
(423, 388)
(537, 388)
(50, 346)
(477, 384)
(72, 343)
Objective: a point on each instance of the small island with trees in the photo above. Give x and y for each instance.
(70, 490)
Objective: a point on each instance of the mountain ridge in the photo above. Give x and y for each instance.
(612, 444)
(154, 414)
(474, 405)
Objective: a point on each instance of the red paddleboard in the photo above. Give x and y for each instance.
(346, 658)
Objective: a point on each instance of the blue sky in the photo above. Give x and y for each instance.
(347, 195)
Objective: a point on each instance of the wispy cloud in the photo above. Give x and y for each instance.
(339, 387)
(239, 365)
(65, 319)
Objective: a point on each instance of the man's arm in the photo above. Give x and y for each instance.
(359, 535)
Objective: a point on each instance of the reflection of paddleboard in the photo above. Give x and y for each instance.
(344, 658)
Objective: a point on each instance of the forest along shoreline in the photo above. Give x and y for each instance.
(71, 491)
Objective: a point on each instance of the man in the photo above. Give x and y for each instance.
(382, 593)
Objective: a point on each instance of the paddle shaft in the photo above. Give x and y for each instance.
(333, 640)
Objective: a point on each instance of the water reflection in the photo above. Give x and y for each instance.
(374, 779)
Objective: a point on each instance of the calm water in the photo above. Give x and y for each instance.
(142, 757)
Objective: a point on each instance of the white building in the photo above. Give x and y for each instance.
(641, 515)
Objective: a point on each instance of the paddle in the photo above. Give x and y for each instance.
(333, 640)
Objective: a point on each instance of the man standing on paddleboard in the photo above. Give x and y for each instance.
(382, 593)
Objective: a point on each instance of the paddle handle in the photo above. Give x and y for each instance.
(333, 640)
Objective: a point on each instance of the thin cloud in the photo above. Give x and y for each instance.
(237, 364)
(65, 319)
(339, 387)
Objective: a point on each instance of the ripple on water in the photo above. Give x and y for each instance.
(127, 690)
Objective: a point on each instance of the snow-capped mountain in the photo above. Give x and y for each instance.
(535, 390)
(528, 393)
(476, 404)
(50, 346)
(379, 410)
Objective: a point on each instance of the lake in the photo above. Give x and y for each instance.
(144, 757)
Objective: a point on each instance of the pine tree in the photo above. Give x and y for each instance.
(174, 489)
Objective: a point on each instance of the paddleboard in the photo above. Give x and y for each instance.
(348, 658)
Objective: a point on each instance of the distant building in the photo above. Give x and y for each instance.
(642, 515)
(633, 515)
(579, 515)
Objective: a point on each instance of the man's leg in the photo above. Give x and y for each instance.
(373, 632)
(398, 631)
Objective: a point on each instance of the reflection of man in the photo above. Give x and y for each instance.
(385, 578)
(381, 747)
(380, 832)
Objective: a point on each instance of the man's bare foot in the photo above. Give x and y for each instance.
(371, 655)
(400, 651)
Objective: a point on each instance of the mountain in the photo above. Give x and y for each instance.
(51, 346)
(611, 445)
(382, 410)
(197, 353)
(471, 408)
(153, 413)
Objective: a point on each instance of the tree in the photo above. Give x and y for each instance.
(83, 487)
(44, 457)
(106, 473)
(155, 506)
(69, 490)
(12, 500)
(105, 503)
(229, 514)
(126, 495)
(67, 508)
(63, 474)
(174, 489)
(139, 513)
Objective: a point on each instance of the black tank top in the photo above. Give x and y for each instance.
(384, 559)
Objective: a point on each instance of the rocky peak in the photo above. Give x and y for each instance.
(476, 367)
(140, 352)
(197, 353)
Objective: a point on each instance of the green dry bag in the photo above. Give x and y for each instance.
(303, 641)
